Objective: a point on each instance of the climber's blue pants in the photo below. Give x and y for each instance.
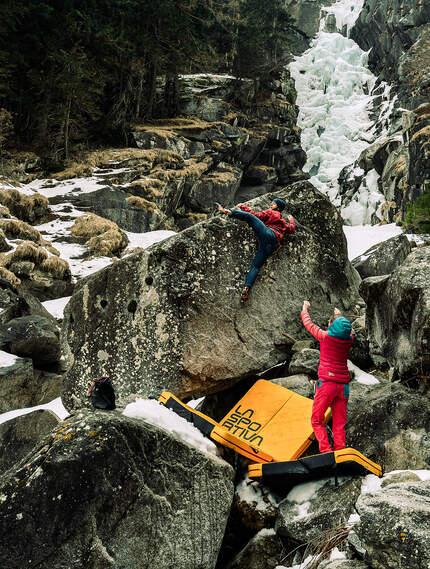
(267, 242)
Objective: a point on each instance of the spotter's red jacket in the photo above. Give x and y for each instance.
(333, 352)
(273, 219)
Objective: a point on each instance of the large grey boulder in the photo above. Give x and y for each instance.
(389, 425)
(311, 509)
(359, 352)
(395, 525)
(111, 203)
(19, 435)
(383, 258)
(170, 317)
(219, 185)
(398, 315)
(23, 386)
(110, 491)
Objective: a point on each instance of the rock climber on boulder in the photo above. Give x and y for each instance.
(333, 377)
(269, 227)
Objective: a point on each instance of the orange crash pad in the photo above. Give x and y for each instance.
(270, 423)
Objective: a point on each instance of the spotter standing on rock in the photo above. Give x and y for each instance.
(333, 377)
(269, 227)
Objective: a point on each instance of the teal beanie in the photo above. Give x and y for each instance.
(341, 329)
(280, 203)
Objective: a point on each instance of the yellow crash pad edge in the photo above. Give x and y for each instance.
(350, 454)
(166, 395)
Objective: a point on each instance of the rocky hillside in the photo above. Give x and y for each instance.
(128, 242)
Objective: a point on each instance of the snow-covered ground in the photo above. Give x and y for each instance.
(361, 237)
(57, 231)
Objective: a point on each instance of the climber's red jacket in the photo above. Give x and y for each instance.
(333, 352)
(273, 219)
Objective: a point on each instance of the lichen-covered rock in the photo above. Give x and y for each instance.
(111, 491)
(20, 434)
(313, 508)
(383, 258)
(395, 525)
(170, 317)
(389, 425)
(398, 315)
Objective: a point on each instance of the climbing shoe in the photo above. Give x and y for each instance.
(245, 293)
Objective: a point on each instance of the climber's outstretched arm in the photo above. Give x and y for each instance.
(315, 330)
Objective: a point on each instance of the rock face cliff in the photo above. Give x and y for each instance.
(397, 36)
(170, 317)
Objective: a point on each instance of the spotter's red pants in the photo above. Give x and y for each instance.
(334, 395)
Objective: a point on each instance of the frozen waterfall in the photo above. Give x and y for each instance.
(334, 89)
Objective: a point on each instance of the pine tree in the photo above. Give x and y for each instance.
(418, 214)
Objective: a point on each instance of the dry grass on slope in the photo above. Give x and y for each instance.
(26, 251)
(17, 229)
(22, 205)
(148, 188)
(141, 203)
(9, 278)
(37, 254)
(102, 236)
(56, 267)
